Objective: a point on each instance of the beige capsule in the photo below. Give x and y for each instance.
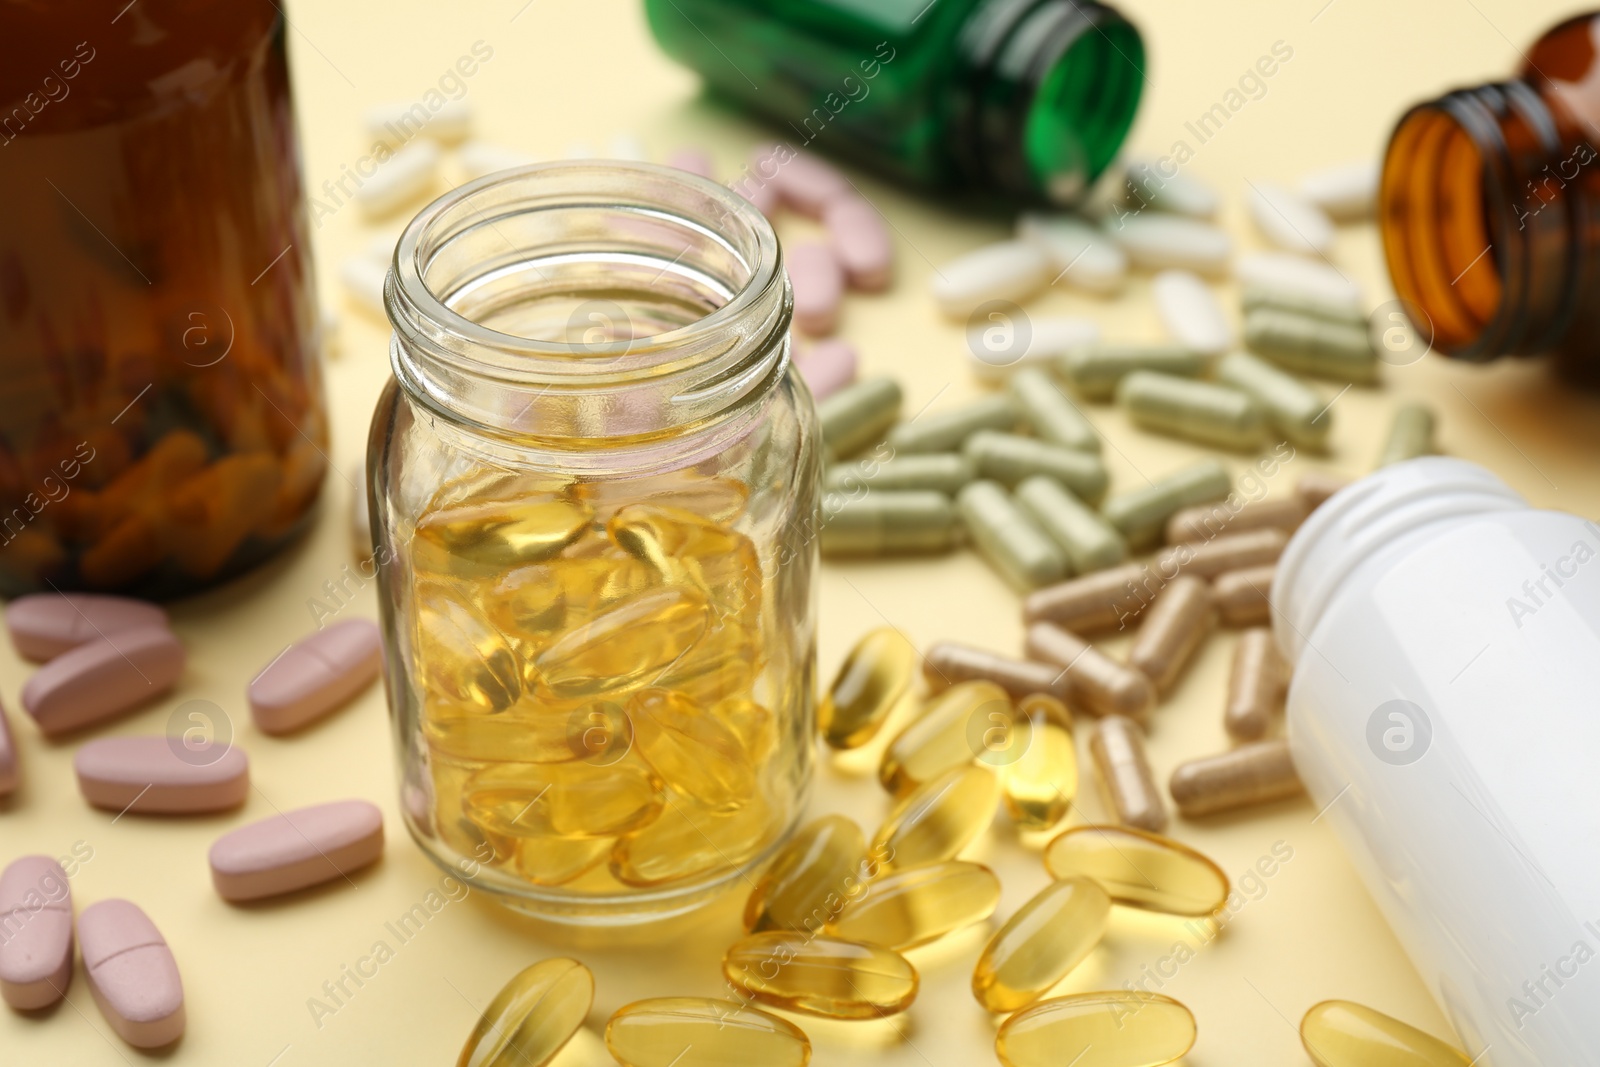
(1205, 521)
(1172, 630)
(1315, 487)
(947, 663)
(1243, 597)
(1095, 681)
(1249, 774)
(1117, 745)
(1256, 685)
(1106, 600)
(1227, 552)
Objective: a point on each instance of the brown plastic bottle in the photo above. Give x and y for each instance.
(1489, 207)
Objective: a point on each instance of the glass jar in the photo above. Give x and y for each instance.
(594, 484)
(161, 415)
(1026, 99)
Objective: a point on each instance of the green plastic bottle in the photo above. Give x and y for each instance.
(1027, 99)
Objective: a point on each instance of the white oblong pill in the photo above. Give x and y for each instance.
(103, 678)
(1289, 221)
(132, 973)
(860, 240)
(1167, 188)
(400, 179)
(36, 918)
(316, 675)
(1191, 312)
(1006, 344)
(1081, 254)
(1345, 193)
(478, 158)
(1008, 270)
(818, 282)
(161, 775)
(1312, 278)
(1155, 241)
(296, 849)
(44, 625)
(363, 277)
(397, 122)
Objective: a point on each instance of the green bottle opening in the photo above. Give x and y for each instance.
(1082, 110)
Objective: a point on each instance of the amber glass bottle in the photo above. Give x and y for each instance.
(1488, 208)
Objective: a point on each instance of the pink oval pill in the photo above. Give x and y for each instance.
(827, 366)
(44, 625)
(296, 849)
(807, 182)
(860, 240)
(316, 675)
(35, 933)
(132, 974)
(8, 756)
(818, 282)
(162, 775)
(103, 678)
(694, 161)
(763, 194)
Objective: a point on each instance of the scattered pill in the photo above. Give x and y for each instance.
(1007, 538)
(903, 909)
(161, 775)
(296, 849)
(807, 182)
(8, 756)
(131, 973)
(103, 678)
(36, 916)
(1140, 869)
(1250, 774)
(1315, 487)
(1313, 302)
(858, 415)
(1288, 220)
(1117, 744)
(1191, 312)
(1010, 270)
(1148, 185)
(1347, 192)
(818, 974)
(947, 663)
(1205, 521)
(532, 1017)
(400, 179)
(702, 1032)
(818, 282)
(948, 430)
(1050, 413)
(478, 158)
(693, 160)
(1080, 253)
(1243, 597)
(1313, 346)
(872, 680)
(626, 147)
(316, 675)
(1292, 408)
(1410, 435)
(1216, 415)
(1010, 459)
(887, 523)
(1339, 1033)
(1226, 552)
(1120, 1029)
(1154, 241)
(938, 819)
(1256, 685)
(1088, 541)
(1009, 343)
(1106, 600)
(44, 625)
(1096, 370)
(1038, 783)
(1283, 272)
(803, 886)
(363, 281)
(1043, 940)
(1142, 514)
(947, 735)
(860, 241)
(1171, 632)
(827, 367)
(397, 122)
(940, 472)
(1095, 681)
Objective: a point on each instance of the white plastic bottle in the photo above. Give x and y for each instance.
(1445, 712)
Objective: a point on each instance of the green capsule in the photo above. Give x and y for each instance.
(1088, 540)
(1308, 345)
(880, 524)
(1008, 458)
(1008, 538)
(1292, 407)
(1142, 514)
(532, 1018)
(941, 472)
(1302, 303)
(1410, 435)
(1095, 370)
(858, 415)
(947, 431)
(1215, 415)
(1050, 413)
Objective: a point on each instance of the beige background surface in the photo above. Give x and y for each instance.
(566, 71)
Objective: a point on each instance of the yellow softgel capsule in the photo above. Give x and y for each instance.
(630, 645)
(693, 752)
(870, 682)
(690, 839)
(902, 909)
(532, 1018)
(821, 975)
(559, 860)
(754, 726)
(809, 880)
(599, 732)
(938, 820)
(477, 539)
(701, 1032)
(562, 799)
(1113, 1029)
(1142, 869)
(1040, 783)
(949, 733)
(1045, 939)
(1339, 1033)
(462, 656)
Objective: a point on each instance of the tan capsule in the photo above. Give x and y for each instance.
(906, 908)
(1244, 597)
(1095, 681)
(1205, 521)
(1040, 943)
(1250, 774)
(938, 820)
(1107, 600)
(1117, 745)
(1256, 685)
(1315, 487)
(821, 975)
(1228, 552)
(870, 682)
(948, 662)
(1172, 630)
(948, 733)
(1039, 776)
(805, 882)
(1142, 870)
